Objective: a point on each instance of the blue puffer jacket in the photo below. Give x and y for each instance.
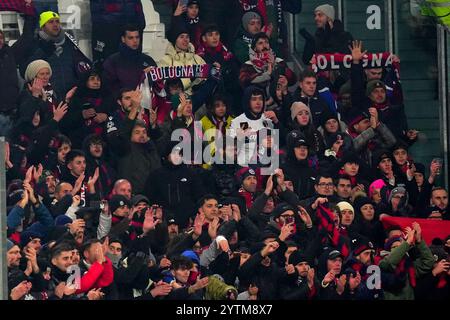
(117, 12)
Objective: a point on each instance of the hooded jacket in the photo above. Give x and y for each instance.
(177, 189)
(302, 173)
(254, 122)
(74, 125)
(181, 58)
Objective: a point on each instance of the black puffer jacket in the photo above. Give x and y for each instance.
(326, 40)
(176, 188)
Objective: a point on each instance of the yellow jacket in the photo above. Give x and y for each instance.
(209, 132)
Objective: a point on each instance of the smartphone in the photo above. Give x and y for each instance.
(288, 220)
(183, 2)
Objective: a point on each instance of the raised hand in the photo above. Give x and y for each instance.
(20, 290)
(236, 212)
(356, 49)
(286, 231)
(149, 221)
(272, 116)
(200, 284)
(198, 224)
(329, 277)
(354, 282)
(95, 294)
(30, 191)
(410, 236)
(161, 289)
(318, 202)
(36, 88)
(164, 263)
(89, 113)
(212, 228)
(304, 215)
(224, 246)
(29, 175)
(226, 212)
(25, 199)
(78, 184)
(76, 201)
(418, 231)
(77, 226)
(100, 117)
(38, 172)
(70, 93)
(290, 269)
(8, 162)
(60, 111)
(183, 103)
(440, 267)
(180, 9)
(269, 186)
(93, 180)
(310, 277)
(271, 247)
(342, 281)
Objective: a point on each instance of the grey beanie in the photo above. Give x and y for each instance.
(9, 245)
(327, 10)
(397, 190)
(248, 16)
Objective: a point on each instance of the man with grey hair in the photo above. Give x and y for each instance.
(330, 36)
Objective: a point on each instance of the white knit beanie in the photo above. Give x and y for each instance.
(34, 68)
(327, 10)
(344, 205)
(297, 107)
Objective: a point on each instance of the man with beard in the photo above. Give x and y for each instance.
(302, 284)
(330, 35)
(357, 268)
(263, 66)
(137, 153)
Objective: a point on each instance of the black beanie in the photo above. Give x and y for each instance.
(175, 32)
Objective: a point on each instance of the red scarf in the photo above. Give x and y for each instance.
(220, 49)
(247, 196)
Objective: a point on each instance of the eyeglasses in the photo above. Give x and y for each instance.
(323, 184)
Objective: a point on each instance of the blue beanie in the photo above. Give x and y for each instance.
(62, 220)
(191, 255)
(27, 236)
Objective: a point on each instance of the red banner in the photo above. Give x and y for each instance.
(336, 61)
(430, 228)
